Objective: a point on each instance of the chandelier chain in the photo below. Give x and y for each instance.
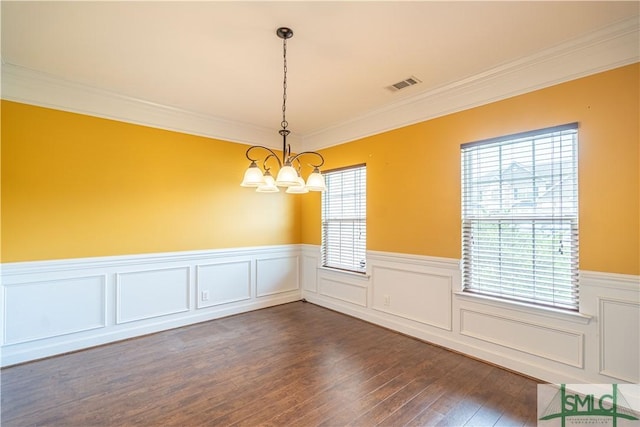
(284, 123)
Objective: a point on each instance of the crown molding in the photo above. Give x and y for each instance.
(27, 86)
(612, 47)
(608, 48)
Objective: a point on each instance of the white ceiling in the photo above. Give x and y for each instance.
(223, 61)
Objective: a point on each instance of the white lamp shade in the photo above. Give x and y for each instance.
(287, 176)
(252, 176)
(300, 188)
(269, 185)
(315, 182)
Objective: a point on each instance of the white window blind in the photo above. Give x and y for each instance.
(344, 219)
(520, 217)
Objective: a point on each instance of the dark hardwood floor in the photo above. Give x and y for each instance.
(292, 365)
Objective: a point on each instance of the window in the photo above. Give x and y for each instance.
(344, 219)
(520, 217)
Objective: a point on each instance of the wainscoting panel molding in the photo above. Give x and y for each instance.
(277, 275)
(344, 290)
(618, 319)
(538, 340)
(53, 307)
(422, 297)
(147, 294)
(418, 296)
(222, 283)
(309, 273)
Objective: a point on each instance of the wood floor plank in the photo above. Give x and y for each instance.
(386, 407)
(491, 401)
(296, 365)
(321, 408)
(360, 366)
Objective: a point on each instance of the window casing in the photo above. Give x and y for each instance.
(344, 220)
(520, 217)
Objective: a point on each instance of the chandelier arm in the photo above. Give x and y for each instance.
(264, 162)
(272, 154)
(310, 152)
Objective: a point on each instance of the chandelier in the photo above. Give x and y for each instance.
(289, 166)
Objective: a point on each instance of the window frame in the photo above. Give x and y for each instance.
(358, 222)
(531, 284)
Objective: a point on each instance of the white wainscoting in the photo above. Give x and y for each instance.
(560, 346)
(223, 283)
(152, 293)
(53, 307)
(616, 316)
(346, 289)
(80, 307)
(414, 293)
(421, 296)
(277, 275)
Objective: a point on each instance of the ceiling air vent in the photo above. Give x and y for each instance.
(410, 81)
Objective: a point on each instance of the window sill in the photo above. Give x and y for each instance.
(363, 276)
(571, 316)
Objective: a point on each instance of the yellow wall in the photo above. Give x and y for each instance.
(413, 173)
(78, 186)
